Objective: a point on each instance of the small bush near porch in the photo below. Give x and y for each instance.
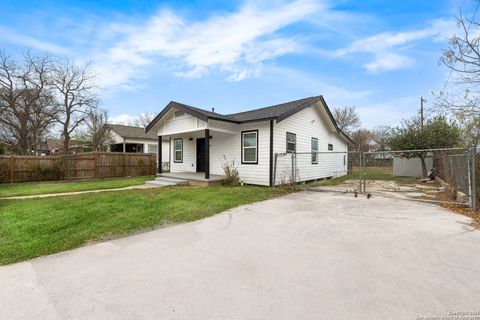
(35, 227)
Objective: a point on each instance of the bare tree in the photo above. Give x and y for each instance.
(347, 118)
(363, 140)
(463, 53)
(380, 138)
(96, 131)
(462, 57)
(143, 119)
(74, 92)
(26, 104)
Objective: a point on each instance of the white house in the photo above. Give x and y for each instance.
(252, 139)
(134, 139)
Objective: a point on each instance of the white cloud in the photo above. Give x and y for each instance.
(388, 61)
(310, 85)
(387, 112)
(384, 46)
(13, 37)
(237, 43)
(379, 113)
(125, 119)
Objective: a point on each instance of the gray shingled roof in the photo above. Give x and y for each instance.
(272, 111)
(132, 132)
(277, 112)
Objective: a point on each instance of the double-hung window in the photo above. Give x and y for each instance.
(250, 147)
(152, 148)
(178, 150)
(330, 147)
(291, 142)
(314, 149)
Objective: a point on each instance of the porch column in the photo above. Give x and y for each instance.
(159, 151)
(207, 154)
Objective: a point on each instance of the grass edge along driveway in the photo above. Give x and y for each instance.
(36, 227)
(36, 188)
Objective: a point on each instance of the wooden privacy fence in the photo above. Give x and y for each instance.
(80, 166)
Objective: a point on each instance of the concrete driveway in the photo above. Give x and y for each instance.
(303, 256)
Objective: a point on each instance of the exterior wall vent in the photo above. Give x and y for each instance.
(178, 113)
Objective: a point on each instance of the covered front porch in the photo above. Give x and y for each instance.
(189, 155)
(195, 155)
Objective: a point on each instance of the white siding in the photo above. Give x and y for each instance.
(116, 137)
(307, 124)
(173, 125)
(230, 146)
(189, 163)
(226, 142)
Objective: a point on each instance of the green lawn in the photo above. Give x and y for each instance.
(371, 173)
(35, 227)
(26, 189)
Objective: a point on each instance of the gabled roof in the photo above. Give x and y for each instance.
(131, 131)
(52, 144)
(277, 112)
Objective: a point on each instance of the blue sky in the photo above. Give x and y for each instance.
(380, 56)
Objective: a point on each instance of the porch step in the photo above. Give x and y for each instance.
(163, 182)
(173, 180)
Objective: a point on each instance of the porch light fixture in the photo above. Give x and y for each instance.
(190, 139)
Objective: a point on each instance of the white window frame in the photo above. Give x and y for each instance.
(152, 145)
(294, 142)
(175, 150)
(314, 151)
(250, 147)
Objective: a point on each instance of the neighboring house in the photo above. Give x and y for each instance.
(134, 139)
(251, 139)
(49, 147)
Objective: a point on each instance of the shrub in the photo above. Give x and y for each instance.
(46, 172)
(231, 171)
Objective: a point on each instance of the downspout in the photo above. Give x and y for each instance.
(271, 182)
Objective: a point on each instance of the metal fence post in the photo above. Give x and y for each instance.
(474, 180)
(293, 170)
(360, 172)
(275, 170)
(469, 177)
(364, 163)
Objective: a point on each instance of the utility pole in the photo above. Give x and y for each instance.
(421, 112)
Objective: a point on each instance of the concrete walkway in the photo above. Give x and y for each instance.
(307, 255)
(48, 195)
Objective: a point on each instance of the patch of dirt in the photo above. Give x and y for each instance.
(430, 191)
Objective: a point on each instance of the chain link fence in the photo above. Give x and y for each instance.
(433, 175)
(301, 167)
(477, 179)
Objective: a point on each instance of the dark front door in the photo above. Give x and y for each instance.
(201, 155)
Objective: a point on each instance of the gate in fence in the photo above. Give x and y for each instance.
(300, 167)
(433, 175)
